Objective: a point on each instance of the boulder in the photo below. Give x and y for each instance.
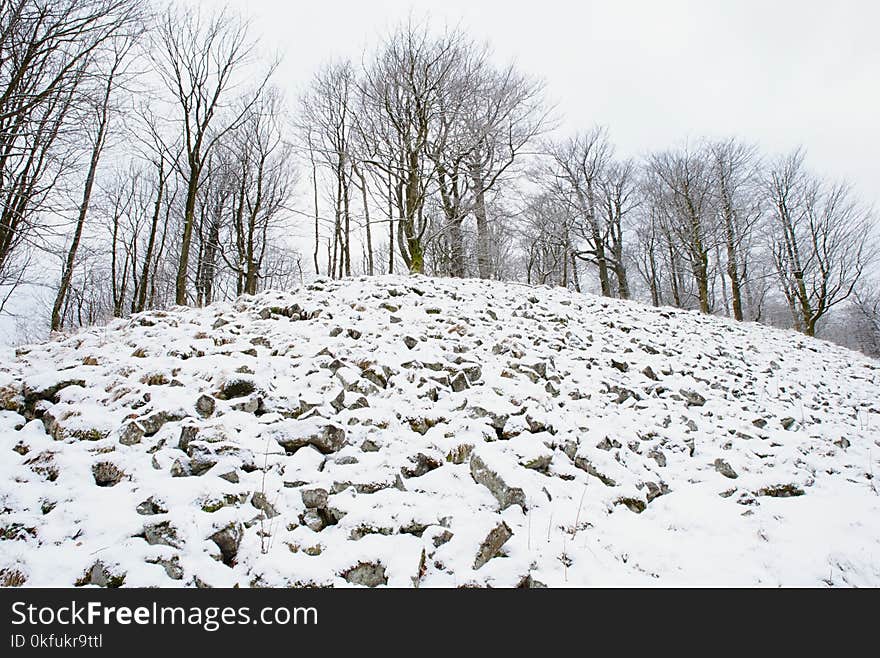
(506, 495)
(493, 542)
(725, 469)
(107, 474)
(228, 539)
(366, 574)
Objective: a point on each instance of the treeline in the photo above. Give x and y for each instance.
(142, 154)
(149, 158)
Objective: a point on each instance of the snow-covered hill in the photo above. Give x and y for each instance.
(430, 432)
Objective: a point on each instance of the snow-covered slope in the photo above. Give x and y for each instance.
(430, 432)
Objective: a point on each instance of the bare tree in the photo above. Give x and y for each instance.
(326, 121)
(201, 60)
(263, 179)
(574, 173)
(686, 208)
(100, 108)
(401, 93)
(46, 51)
(618, 197)
(821, 239)
(734, 172)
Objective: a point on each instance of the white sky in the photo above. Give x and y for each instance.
(779, 72)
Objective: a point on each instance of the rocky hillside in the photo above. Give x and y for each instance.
(416, 432)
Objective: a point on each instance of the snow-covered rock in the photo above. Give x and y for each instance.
(406, 431)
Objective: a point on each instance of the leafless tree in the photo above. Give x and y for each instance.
(100, 110)
(821, 239)
(684, 180)
(263, 178)
(201, 60)
(326, 123)
(47, 50)
(401, 92)
(574, 172)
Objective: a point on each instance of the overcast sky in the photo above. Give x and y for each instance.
(779, 73)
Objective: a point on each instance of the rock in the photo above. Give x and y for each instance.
(587, 466)
(528, 582)
(152, 423)
(371, 374)
(250, 405)
(842, 443)
(657, 455)
(692, 398)
(441, 538)
(205, 405)
(474, 373)
(410, 342)
(493, 542)
(622, 366)
(607, 444)
(505, 494)
(188, 434)
(101, 576)
(314, 498)
(537, 426)
(48, 393)
(656, 490)
(150, 507)
(725, 469)
(422, 464)
(131, 434)
(459, 383)
(236, 388)
(54, 422)
(172, 567)
(313, 520)
(780, 491)
(537, 463)
(650, 374)
(787, 423)
(369, 446)
(107, 474)
(163, 534)
(635, 505)
(366, 574)
(228, 540)
(338, 403)
(460, 453)
(180, 469)
(331, 439)
(261, 502)
(759, 423)
(43, 464)
(203, 459)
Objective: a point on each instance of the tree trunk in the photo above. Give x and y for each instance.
(97, 148)
(141, 300)
(484, 265)
(369, 235)
(732, 265)
(188, 220)
(67, 272)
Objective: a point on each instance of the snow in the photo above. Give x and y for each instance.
(624, 472)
